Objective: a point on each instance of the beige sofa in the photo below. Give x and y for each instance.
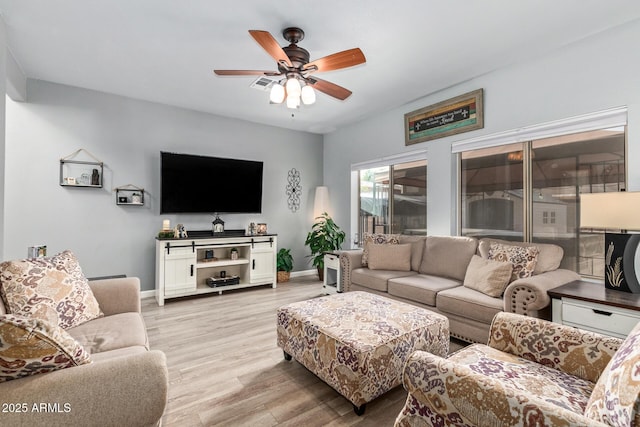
(125, 384)
(433, 273)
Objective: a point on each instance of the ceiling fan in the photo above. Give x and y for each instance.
(294, 67)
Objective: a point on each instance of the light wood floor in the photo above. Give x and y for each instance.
(226, 369)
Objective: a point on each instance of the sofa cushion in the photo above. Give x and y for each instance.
(119, 352)
(420, 288)
(390, 257)
(30, 346)
(417, 249)
(447, 256)
(376, 279)
(111, 332)
(616, 397)
(549, 256)
(465, 302)
(523, 259)
(52, 289)
(517, 373)
(487, 276)
(369, 239)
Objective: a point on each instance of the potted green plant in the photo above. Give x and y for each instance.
(325, 236)
(284, 261)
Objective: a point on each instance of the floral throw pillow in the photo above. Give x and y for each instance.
(615, 399)
(32, 346)
(523, 259)
(51, 289)
(376, 239)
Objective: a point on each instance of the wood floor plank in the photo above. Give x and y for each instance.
(226, 369)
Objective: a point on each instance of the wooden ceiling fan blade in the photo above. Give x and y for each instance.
(336, 61)
(271, 46)
(245, 73)
(329, 88)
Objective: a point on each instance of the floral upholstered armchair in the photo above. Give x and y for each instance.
(532, 372)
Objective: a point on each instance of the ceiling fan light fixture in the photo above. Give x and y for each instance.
(293, 87)
(293, 102)
(276, 95)
(308, 95)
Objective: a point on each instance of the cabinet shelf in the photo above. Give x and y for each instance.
(222, 263)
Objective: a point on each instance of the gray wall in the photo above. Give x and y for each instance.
(592, 75)
(128, 135)
(3, 79)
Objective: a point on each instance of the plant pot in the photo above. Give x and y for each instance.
(321, 274)
(283, 276)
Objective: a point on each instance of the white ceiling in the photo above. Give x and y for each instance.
(165, 50)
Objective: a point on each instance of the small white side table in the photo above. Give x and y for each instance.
(591, 306)
(332, 280)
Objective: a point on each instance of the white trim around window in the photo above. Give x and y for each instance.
(390, 160)
(605, 119)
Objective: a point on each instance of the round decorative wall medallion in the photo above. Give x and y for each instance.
(293, 189)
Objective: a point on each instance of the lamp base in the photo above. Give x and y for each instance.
(620, 262)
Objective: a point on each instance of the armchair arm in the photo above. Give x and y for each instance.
(580, 353)
(349, 260)
(123, 391)
(528, 296)
(442, 389)
(121, 295)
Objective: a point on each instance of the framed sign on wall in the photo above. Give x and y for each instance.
(456, 115)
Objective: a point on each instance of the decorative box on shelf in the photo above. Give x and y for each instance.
(81, 173)
(215, 282)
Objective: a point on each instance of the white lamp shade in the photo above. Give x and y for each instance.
(308, 95)
(293, 101)
(321, 202)
(615, 210)
(293, 87)
(277, 93)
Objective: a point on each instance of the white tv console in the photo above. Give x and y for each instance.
(182, 267)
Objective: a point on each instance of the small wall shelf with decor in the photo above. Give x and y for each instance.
(129, 195)
(75, 172)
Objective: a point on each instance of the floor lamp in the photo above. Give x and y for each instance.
(616, 210)
(321, 201)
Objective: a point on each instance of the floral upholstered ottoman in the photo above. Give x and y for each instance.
(358, 342)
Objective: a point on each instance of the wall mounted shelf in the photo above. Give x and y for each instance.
(129, 195)
(81, 173)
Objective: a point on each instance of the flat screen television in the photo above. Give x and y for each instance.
(201, 184)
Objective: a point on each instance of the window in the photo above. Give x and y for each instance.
(530, 191)
(393, 199)
(562, 168)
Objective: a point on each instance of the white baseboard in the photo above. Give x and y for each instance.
(152, 292)
(303, 273)
(148, 294)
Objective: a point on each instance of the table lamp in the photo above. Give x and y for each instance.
(616, 210)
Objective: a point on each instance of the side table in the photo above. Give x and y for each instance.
(332, 283)
(591, 306)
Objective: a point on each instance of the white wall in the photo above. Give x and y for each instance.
(594, 74)
(128, 136)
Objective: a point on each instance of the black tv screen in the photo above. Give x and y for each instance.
(201, 184)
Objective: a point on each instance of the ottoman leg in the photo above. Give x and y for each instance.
(287, 356)
(359, 410)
